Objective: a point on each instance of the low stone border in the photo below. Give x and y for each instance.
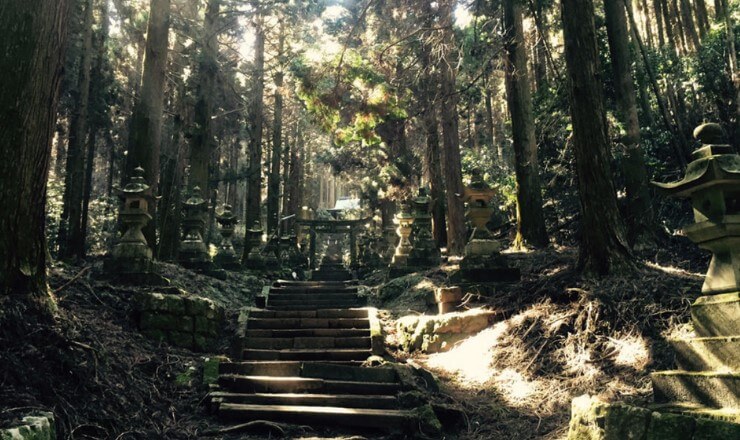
(35, 427)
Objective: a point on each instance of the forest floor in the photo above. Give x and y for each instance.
(560, 336)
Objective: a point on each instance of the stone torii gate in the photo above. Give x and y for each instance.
(332, 227)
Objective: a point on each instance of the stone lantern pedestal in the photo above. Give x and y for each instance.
(131, 258)
(709, 362)
(193, 253)
(399, 262)
(226, 257)
(482, 260)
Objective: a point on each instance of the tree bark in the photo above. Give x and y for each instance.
(273, 179)
(530, 219)
(702, 17)
(658, 10)
(640, 218)
(456, 230)
(254, 180)
(32, 42)
(202, 142)
(145, 136)
(687, 18)
(603, 246)
(71, 239)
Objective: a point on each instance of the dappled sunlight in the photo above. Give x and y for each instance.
(470, 360)
(630, 351)
(514, 387)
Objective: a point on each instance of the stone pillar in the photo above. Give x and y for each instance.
(709, 362)
(448, 298)
(254, 258)
(312, 249)
(404, 219)
(352, 249)
(425, 253)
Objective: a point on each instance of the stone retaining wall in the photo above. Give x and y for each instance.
(592, 419)
(437, 333)
(35, 427)
(182, 320)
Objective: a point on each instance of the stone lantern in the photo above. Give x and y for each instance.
(193, 252)
(712, 183)
(226, 256)
(482, 259)
(254, 258)
(404, 219)
(708, 361)
(132, 255)
(425, 253)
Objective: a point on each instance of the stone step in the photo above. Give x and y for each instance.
(314, 283)
(325, 296)
(343, 354)
(716, 315)
(334, 371)
(710, 389)
(292, 384)
(307, 342)
(320, 415)
(337, 400)
(308, 332)
(321, 313)
(292, 323)
(707, 354)
(278, 304)
(314, 289)
(327, 275)
(275, 368)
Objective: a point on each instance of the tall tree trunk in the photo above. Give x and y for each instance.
(450, 137)
(702, 17)
(202, 145)
(658, 10)
(640, 218)
(87, 189)
(540, 49)
(273, 179)
(648, 25)
(296, 174)
(32, 42)
(689, 27)
(678, 28)
(60, 155)
(603, 247)
(71, 240)
(145, 136)
(254, 179)
(530, 219)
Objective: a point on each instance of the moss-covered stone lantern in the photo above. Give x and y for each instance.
(193, 253)
(254, 258)
(482, 259)
(226, 257)
(712, 183)
(404, 219)
(132, 256)
(424, 253)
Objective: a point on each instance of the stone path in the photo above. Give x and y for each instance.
(302, 361)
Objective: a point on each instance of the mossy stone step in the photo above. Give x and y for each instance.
(274, 368)
(710, 389)
(291, 323)
(315, 283)
(323, 296)
(348, 372)
(314, 289)
(336, 400)
(320, 415)
(308, 332)
(717, 353)
(716, 315)
(292, 384)
(320, 313)
(344, 354)
(308, 342)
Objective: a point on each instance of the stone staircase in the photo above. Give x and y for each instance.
(708, 376)
(302, 359)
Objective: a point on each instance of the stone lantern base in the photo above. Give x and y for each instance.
(483, 262)
(134, 271)
(228, 261)
(193, 256)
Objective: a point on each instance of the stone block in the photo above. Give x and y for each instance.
(708, 354)
(36, 427)
(207, 327)
(440, 332)
(592, 419)
(161, 321)
(717, 315)
(667, 426)
(155, 301)
(709, 389)
(156, 334)
(448, 294)
(199, 306)
(204, 343)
